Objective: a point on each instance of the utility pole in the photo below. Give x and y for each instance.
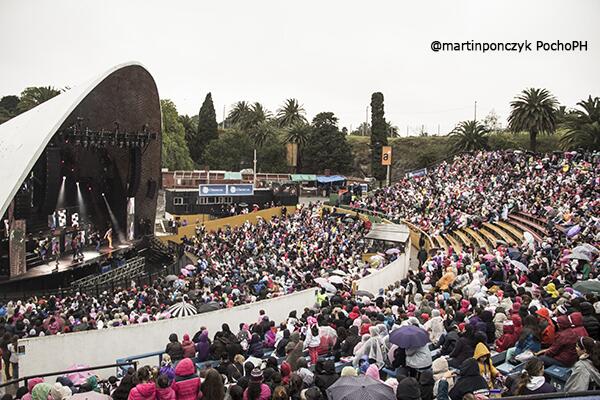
(254, 167)
(475, 114)
(366, 120)
(223, 127)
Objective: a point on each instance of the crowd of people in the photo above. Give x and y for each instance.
(524, 300)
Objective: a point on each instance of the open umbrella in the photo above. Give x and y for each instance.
(362, 293)
(182, 309)
(190, 267)
(212, 306)
(580, 256)
(489, 257)
(336, 279)
(79, 378)
(528, 237)
(339, 272)
(574, 230)
(325, 285)
(409, 336)
(589, 286)
(502, 242)
(185, 272)
(586, 249)
(393, 250)
(519, 265)
(171, 278)
(360, 388)
(243, 204)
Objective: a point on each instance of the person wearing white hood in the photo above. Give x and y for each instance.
(435, 326)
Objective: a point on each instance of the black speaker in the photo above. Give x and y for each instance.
(151, 190)
(135, 170)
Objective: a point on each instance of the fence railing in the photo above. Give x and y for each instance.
(25, 379)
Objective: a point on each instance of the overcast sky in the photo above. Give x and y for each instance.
(331, 55)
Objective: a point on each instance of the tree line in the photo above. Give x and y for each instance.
(199, 141)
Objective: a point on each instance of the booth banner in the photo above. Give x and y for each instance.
(240, 190)
(213, 190)
(16, 245)
(417, 173)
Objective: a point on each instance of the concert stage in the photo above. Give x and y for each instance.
(66, 262)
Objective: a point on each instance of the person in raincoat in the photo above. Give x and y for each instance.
(484, 361)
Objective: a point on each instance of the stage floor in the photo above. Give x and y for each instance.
(66, 262)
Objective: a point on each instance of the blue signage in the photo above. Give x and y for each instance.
(213, 190)
(240, 190)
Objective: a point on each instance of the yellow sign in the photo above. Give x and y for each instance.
(386, 155)
(292, 154)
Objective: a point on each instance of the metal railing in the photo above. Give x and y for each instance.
(60, 373)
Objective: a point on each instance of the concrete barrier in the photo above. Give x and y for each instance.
(97, 347)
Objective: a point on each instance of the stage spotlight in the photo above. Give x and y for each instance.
(103, 195)
(77, 183)
(64, 177)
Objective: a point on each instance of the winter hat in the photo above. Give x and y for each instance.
(256, 375)
(41, 391)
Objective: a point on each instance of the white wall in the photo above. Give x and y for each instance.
(101, 347)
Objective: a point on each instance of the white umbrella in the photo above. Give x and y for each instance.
(325, 285)
(580, 256)
(338, 272)
(171, 278)
(519, 265)
(586, 249)
(182, 309)
(336, 279)
(190, 267)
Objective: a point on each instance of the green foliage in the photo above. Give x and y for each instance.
(175, 153)
(34, 96)
(469, 136)
(327, 147)
(238, 113)
(232, 151)
(583, 126)
(290, 114)
(207, 131)
(534, 111)
(378, 135)
(261, 132)
(271, 156)
(8, 107)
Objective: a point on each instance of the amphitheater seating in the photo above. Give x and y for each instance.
(462, 238)
(525, 227)
(499, 231)
(530, 223)
(453, 242)
(516, 233)
(479, 239)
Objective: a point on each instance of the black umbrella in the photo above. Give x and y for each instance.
(364, 293)
(212, 306)
(360, 388)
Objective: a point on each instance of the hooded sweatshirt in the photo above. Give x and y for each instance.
(470, 381)
(203, 347)
(563, 347)
(549, 331)
(187, 345)
(484, 360)
(576, 320)
(508, 338)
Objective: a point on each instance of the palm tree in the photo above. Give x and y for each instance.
(238, 113)
(583, 126)
(261, 133)
(534, 111)
(290, 114)
(470, 136)
(34, 96)
(256, 114)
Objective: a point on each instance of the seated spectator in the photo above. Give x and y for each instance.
(531, 380)
(187, 382)
(145, 389)
(174, 349)
(486, 368)
(562, 351)
(585, 374)
(257, 390)
(189, 350)
(469, 381)
(164, 391)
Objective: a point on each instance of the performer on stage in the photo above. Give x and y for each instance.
(56, 252)
(108, 236)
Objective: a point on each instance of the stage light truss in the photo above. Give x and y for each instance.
(102, 138)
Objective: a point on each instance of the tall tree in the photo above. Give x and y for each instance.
(261, 132)
(238, 113)
(175, 152)
(470, 136)
(327, 147)
(534, 111)
(583, 126)
(232, 151)
(8, 107)
(290, 113)
(378, 135)
(207, 130)
(36, 95)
